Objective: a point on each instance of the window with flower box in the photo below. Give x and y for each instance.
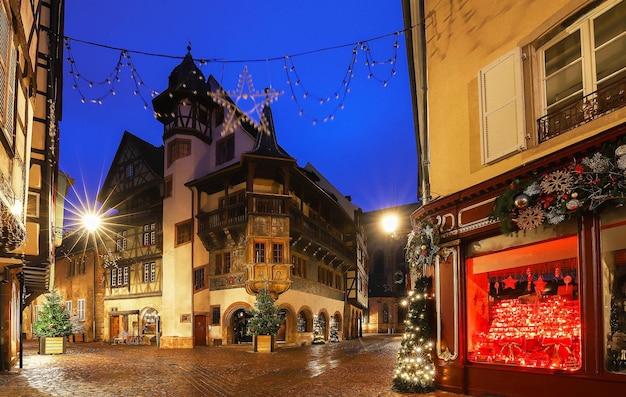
(522, 300)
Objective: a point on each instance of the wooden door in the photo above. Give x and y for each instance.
(114, 328)
(199, 330)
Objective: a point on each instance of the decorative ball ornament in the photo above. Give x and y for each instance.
(521, 201)
(620, 151)
(572, 204)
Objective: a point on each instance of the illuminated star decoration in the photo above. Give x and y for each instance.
(540, 285)
(245, 93)
(509, 283)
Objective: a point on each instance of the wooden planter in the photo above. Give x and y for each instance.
(52, 345)
(263, 343)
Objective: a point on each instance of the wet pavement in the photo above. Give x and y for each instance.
(360, 367)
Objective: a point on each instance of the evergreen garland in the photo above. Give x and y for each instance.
(53, 320)
(415, 370)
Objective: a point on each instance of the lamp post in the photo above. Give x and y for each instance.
(91, 222)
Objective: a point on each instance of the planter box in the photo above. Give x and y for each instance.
(263, 343)
(52, 345)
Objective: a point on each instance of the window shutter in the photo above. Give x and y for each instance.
(502, 108)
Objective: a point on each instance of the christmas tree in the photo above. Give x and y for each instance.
(334, 332)
(265, 319)
(53, 320)
(415, 371)
(318, 332)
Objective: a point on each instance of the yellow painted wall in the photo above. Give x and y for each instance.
(459, 44)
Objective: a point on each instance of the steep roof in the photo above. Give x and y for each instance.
(266, 144)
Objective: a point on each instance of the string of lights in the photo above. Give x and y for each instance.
(92, 91)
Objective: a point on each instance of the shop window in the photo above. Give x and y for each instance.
(614, 280)
(522, 304)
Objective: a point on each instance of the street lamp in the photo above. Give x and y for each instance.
(390, 224)
(91, 222)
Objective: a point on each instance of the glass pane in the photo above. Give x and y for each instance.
(610, 24)
(614, 287)
(563, 53)
(563, 84)
(611, 58)
(522, 306)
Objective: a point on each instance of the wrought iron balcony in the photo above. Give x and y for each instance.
(589, 107)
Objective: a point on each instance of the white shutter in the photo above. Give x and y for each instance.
(502, 108)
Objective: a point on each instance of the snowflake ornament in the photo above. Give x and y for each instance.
(533, 189)
(556, 182)
(529, 218)
(597, 163)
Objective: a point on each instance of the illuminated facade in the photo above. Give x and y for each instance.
(30, 91)
(521, 129)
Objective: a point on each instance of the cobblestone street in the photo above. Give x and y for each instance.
(361, 367)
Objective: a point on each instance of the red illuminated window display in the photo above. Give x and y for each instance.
(525, 315)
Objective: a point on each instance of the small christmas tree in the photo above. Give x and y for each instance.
(415, 371)
(53, 320)
(318, 333)
(334, 332)
(265, 319)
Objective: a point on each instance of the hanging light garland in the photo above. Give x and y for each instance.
(299, 93)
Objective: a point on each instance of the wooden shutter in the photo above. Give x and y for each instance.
(502, 108)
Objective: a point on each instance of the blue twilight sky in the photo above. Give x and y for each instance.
(367, 150)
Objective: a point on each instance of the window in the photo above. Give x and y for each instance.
(222, 263)
(7, 79)
(81, 309)
(302, 322)
(584, 70)
(68, 307)
(278, 253)
(259, 252)
(176, 149)
(614, 286)
(120, 276)
(149, 234)
(198, 279)
(183, 232)
(168, 186)
(121, 242)
(225, 149)
(129, 172)
(215, 315)
(299, 267)
(522, 301)
(219, 116)
(149, 272)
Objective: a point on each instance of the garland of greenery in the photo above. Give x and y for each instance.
(554, 196)
(422, 244)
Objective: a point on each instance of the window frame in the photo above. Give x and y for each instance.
(183, 232)
(225, 149)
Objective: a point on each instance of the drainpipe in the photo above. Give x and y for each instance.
(419, 91)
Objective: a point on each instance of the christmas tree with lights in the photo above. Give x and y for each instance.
(266, 319)
(53, 320)
(415, 370)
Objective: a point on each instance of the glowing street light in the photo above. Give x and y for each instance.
(91, 222)
(390, 224)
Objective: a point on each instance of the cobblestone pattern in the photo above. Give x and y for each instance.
(360, 367)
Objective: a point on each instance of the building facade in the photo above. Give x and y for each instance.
(198, 226)
(521, 128)
(30, 92)
(389, 280)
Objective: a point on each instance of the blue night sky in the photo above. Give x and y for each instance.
(367, 150)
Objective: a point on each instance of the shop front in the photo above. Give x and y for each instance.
(530, 278)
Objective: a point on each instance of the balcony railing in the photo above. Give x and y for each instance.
(222, 217)
(314, 230)
(589, 107)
